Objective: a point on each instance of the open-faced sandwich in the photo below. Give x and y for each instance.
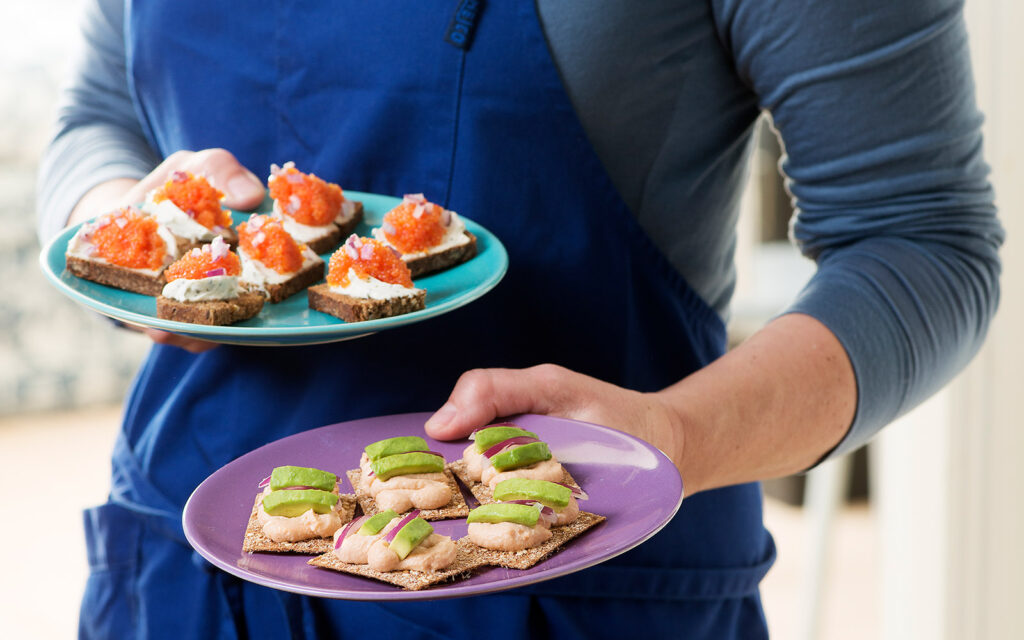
(503, 451)
(313, 211)
(190, 207)
(126, 249)
(273, 262)
(428, 236)
(203, 288)
(365, 281)
(399, 550)
(402, 474)
(299, 510)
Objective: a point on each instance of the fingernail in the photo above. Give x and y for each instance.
(443, 416)
(244, 186)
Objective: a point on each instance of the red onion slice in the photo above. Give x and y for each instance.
(412, 515)
(219, 271)
(504, 444)
(264, 482)
(366, 252)
(179, 176)
(351, 252)
(547, 515)
(348, 529)
(577, 493)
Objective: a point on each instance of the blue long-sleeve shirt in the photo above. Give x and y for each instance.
(874, 102)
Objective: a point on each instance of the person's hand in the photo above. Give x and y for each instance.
(482, 395)
(242, 190)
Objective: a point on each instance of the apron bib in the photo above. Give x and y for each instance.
(372, 96)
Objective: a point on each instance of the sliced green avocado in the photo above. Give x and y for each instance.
(521, 456)
(289, 476)
(403, 463)
(391, 446)
(524, 514)
(416, 531)
(375, 523)
(547, 493)
(490, 436)
(291, 502)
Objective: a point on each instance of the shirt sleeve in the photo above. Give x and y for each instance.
(98, 136)
(874, 101)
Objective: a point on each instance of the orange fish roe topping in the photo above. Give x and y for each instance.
(263, 238)
(415, 225)
(196, 197)
(368, 258)
(128, 238)
(214, 259)
(305, 197)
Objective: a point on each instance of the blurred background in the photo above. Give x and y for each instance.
(918, 536)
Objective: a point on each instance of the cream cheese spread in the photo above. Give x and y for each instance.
(212, 288)
(255, 272)
(180, 223)
(373, 289)
(299, 231)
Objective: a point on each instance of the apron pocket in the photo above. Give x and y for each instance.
(109, 609)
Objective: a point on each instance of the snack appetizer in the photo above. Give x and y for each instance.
(189, 206)
(400, 550)
(126, 249)
(429, 237)
(518, 535)
(503, 451)
(313, 211)
(299, 511)
(560, 499)
(202, 288)
(273, 263)
(365, 281)
(402, 474)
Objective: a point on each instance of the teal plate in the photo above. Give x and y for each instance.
(292, 322)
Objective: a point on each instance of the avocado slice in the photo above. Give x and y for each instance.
(490, 436)
(403, 463)
(521, 456)
(392, 446)
(289, 476)
(547, 493)
(523, 514)
(416, 531)
(375, 523)
(290, 503)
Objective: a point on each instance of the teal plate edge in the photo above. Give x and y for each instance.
(291, 322)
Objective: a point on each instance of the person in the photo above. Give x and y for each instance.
(605, 144)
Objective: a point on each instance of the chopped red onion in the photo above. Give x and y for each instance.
(293, 203)
(121, 222)
(350, 252)
(504, 444)
(414, 197)
(179, 176)
(446, 217)
(256, 221)
(366, 253)
(348, 528)
(577, 493)
(412, 515)
(398, 254)
(218, 248)
(264, 482)
(293, 177)
(388, 228)
(258, 239)
(275, 170)
(418, 211)
(191, 213)
(219, 271)
(357, 242)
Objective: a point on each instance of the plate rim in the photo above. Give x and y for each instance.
(386, 592)
(291, 336)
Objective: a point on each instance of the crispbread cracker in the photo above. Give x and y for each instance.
(255, 540)
(456, 508)
(464, 563)
(483, 492)
(529, 557)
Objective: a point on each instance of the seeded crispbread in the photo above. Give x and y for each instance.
(465, 563)
(529, 557)
(456, 508)
(255, 540)
(483, 492)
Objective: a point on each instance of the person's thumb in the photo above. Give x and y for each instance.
(482, 395)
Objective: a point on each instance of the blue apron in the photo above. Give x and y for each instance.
(372, 96)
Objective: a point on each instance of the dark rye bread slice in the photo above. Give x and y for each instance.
(255, 540)
(443, 260)
(527, 558)
(483, 492)
(456, 508)
(213, 312)
(464, 564)
(115, 276)
(347, 228)
(352, 309)
(304, 278)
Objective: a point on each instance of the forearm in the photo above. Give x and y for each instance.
(775, 405)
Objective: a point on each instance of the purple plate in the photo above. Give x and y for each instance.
(634, 485)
